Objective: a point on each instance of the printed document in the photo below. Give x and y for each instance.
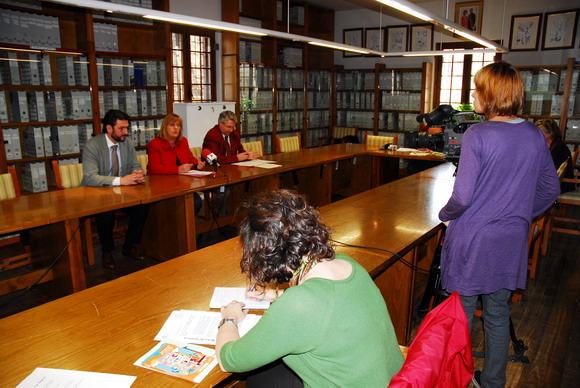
(198, 327)
(224, 295)
(62, 378)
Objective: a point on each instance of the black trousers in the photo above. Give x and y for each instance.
(274, 375)
(197, 202)
(106, 224)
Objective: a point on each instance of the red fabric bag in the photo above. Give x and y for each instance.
(440, 355)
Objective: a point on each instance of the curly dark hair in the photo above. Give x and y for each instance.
(279, 230)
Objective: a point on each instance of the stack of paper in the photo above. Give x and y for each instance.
(258, 163)
(198, 327)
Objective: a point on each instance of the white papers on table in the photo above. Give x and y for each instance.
(224, 295)
(196, 173)
(258, 163)
(60, 378)
(198, 327)
(406, 150)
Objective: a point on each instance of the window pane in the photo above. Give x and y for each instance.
(177, 75)
(458, 68)
(177, 58)
(196, 92)
(177, 92)
(176, 41)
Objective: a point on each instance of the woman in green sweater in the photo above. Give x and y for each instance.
(331, 327)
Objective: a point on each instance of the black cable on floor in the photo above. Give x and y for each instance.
(51, 266)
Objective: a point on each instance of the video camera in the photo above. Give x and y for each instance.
(453, 123)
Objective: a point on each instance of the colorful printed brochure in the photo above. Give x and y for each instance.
(189, 362)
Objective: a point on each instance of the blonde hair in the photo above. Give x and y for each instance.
(170, 118)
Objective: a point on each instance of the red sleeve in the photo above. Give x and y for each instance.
(159, 159)
(215, 143)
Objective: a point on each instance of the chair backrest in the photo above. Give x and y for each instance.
(575, 157)
(288, 144)
(67, 176)
(380, 141)
(9, 187)
(340, 132)
(561, 170)
(196, 151)
(143, 160)
(256, 146)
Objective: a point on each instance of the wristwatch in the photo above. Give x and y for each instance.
(232, 320)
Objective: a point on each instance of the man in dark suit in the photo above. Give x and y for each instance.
(224, 141)
(109, 159)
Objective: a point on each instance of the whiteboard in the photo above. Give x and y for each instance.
(200, 117)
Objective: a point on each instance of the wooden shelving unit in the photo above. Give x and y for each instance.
(49, 101)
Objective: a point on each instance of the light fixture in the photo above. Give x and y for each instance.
(197, 23)
(448, 52)
(170, 17)
(414, 10)
(407, 9)
(340, 47)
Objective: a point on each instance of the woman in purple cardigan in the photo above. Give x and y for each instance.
(505, 178)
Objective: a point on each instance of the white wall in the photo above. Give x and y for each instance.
(209, 9)
(495, 26)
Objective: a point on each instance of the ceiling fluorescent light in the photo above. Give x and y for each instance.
(414, 10)
(475, 39)
(407, 9)
(340, 47)
(448, 52)
(203, 25)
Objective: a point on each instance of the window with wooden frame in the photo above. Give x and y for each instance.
(455, 75)
(193, 65)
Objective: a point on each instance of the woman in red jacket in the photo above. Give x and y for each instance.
(169, 152)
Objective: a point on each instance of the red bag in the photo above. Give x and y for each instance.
(440, 355)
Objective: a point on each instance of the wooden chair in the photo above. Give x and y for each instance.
(69, 176)
(535, 239)
(552, 213)
(575, 167)
(288, 144)
(196, 151)
(337, 135)
(256, 146)
(571, 198)
(143, 160)
(380, 141)
(9, 188)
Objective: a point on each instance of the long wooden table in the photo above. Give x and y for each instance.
(107, 327)
(53, 217)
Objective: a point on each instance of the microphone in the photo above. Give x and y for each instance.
(210, 158)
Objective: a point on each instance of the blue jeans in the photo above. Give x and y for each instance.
(496, 323)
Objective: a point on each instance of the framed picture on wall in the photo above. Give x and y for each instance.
(525, 32)
(374, 39)
(421, 37)
(353, 37)
(397, 38)
(468, 14)
(560, 30)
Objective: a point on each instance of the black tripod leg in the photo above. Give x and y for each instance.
(519, 347)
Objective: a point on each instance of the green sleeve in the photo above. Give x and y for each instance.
(295, 323)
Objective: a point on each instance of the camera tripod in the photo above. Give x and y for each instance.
(435, 294)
